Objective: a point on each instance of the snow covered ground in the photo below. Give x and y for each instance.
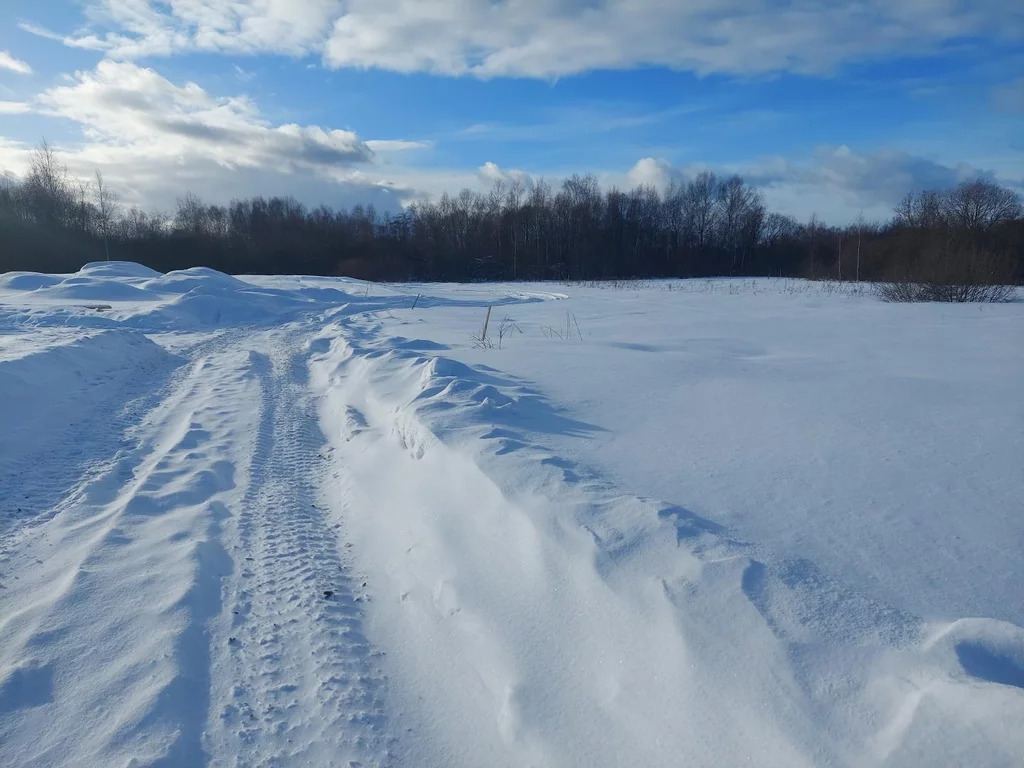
(283, 521)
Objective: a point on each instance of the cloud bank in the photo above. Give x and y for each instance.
(155, 139)
(548, 38)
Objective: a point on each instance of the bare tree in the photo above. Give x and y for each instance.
(514, 202)
(700, 207)
(105, 202)
(860, 232)
(48, 186)
(980, 204)
(921, 210)
(953, 245)
(191, 215)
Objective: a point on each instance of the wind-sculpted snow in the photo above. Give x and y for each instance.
(61, 391)
(609, 629)
(27, 281)
(119, 294)
(254, 521)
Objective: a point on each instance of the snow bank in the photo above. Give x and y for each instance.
(533, 613)
(199, 298)
(104, 646)
(27, 281)
(53, 394)
(877, 440)
(40, 381)
(117, 269)
(43, 376)
(185, 280)
(131, 295)
(94, 289)
(207, 306)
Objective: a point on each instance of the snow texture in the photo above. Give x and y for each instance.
(284, 521)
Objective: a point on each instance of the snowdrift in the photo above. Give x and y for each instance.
(721, 523)
(117, 270)
(95, 289)
(64, 386)
(579, 625)
(185, 280)
(27, 281)
(41, 389)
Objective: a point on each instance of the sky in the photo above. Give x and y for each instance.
(833, 109)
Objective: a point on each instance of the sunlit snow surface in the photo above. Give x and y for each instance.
(299, 521)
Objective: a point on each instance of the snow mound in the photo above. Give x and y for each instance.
(215, 305)
(117, 269)
(84, 359)
(95, 289)
(27, 281)
(51, 394)
(185, 280)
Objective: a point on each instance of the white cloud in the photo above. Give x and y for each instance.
(572, 123)
(846, 180)
(835, 183)
(155, 182)
(491, 173)
(397, 145)
(40, 31)
(549, 38)
(154, 139)
(122, 104)
(8, 62)
(652, 172)
(127, 29)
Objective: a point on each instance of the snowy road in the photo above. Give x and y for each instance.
(247, 524)
(185, 576)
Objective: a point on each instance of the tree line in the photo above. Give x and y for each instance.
(707, 226)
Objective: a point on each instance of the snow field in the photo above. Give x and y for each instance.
(295, 521)
(667, 629)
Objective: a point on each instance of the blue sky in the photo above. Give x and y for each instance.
(830, 108)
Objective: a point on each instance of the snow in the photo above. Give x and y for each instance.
(883, 439)
(297, 521)
(27, 281)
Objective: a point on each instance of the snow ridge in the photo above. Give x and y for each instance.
(647, 597)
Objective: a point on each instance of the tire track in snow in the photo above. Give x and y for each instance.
(295, 679)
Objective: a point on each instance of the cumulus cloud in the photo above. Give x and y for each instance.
(123, 104)
(155, 182)
(128, 29)
(12, 64)
(652, 172)
(860, 179)
(549, 38)
(836, 183)
(155, 139)
(491, 173)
